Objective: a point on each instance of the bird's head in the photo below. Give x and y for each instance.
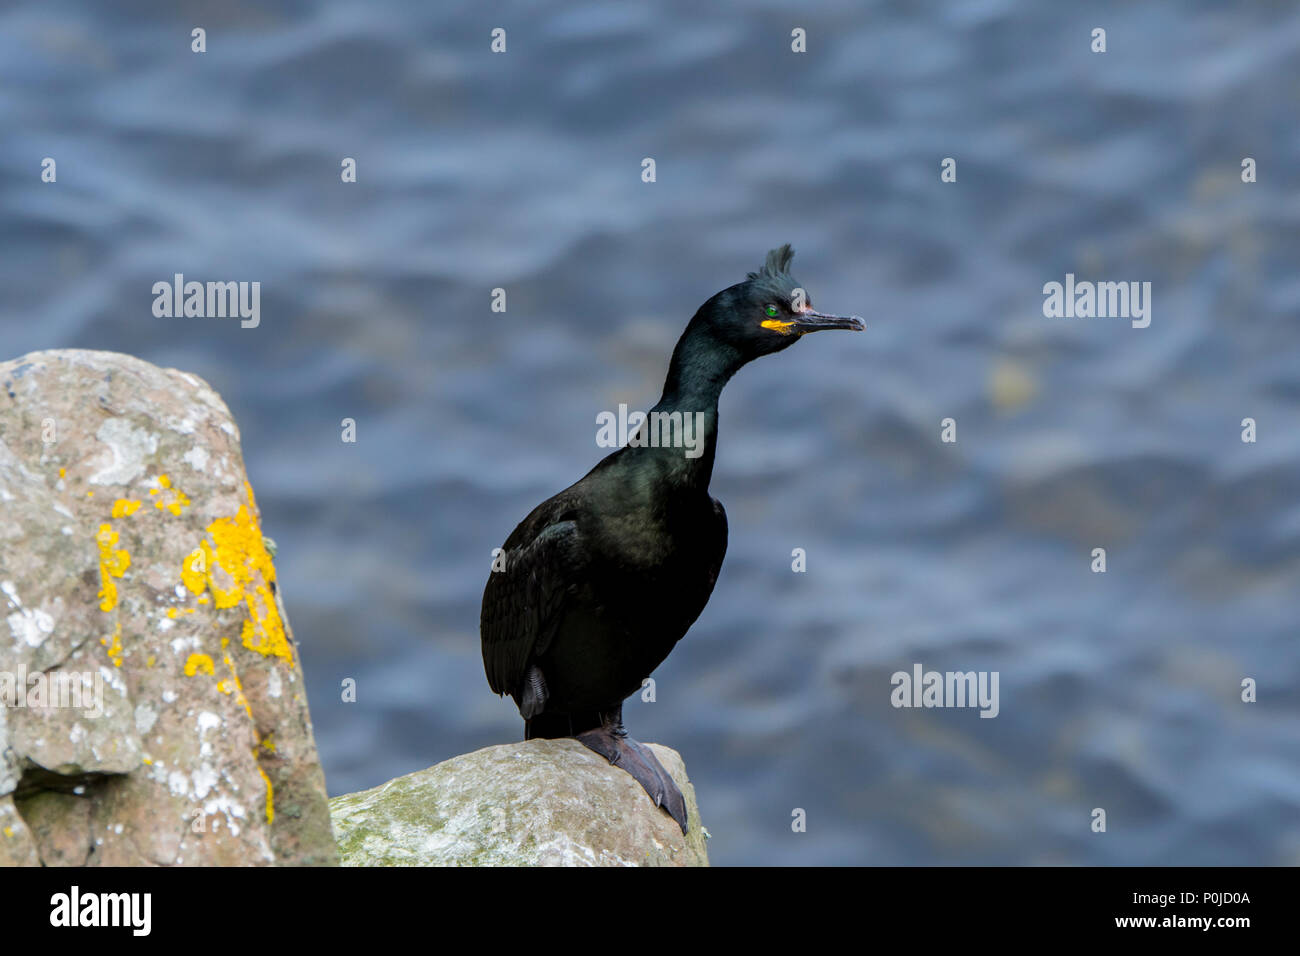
(769, 311)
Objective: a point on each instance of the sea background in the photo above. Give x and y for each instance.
(522, 171)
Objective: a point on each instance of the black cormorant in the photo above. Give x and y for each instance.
(597, 584)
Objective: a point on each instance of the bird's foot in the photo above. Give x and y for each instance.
(613, 743)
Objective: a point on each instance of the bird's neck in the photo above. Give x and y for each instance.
(699, 370)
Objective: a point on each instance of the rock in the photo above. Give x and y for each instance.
(536, 803)
(155, 711)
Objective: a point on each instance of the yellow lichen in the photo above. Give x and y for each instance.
(179, 500)
(267, 742)
(9, 831)
(270, 805)
(238, 684)
(62, 472)
(230, 566)
(113, 562)
(176, 505)
(199, 662)
(238, 550)
(194, 570)
(264, 632)
(124, 507)
(115, 649)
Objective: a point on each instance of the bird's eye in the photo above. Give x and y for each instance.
(771, 311)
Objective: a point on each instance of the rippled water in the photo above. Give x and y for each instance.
(522, 171)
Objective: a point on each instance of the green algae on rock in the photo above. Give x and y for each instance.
(533, 803)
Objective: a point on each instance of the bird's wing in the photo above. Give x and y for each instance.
(523, 603)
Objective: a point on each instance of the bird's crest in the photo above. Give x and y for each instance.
(777, 264)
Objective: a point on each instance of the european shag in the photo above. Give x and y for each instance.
(598, 583)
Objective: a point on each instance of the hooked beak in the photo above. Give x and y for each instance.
(812, 321)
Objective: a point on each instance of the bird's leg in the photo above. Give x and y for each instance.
(611, 741)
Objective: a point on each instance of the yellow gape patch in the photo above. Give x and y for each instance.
(778, 325)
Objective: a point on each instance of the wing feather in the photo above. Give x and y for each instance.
(523, 603)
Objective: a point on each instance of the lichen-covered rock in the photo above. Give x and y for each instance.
(154, 708)
(536, 803)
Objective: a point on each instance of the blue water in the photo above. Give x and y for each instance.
(521, 170)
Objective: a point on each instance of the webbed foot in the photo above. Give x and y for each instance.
(612, 742)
